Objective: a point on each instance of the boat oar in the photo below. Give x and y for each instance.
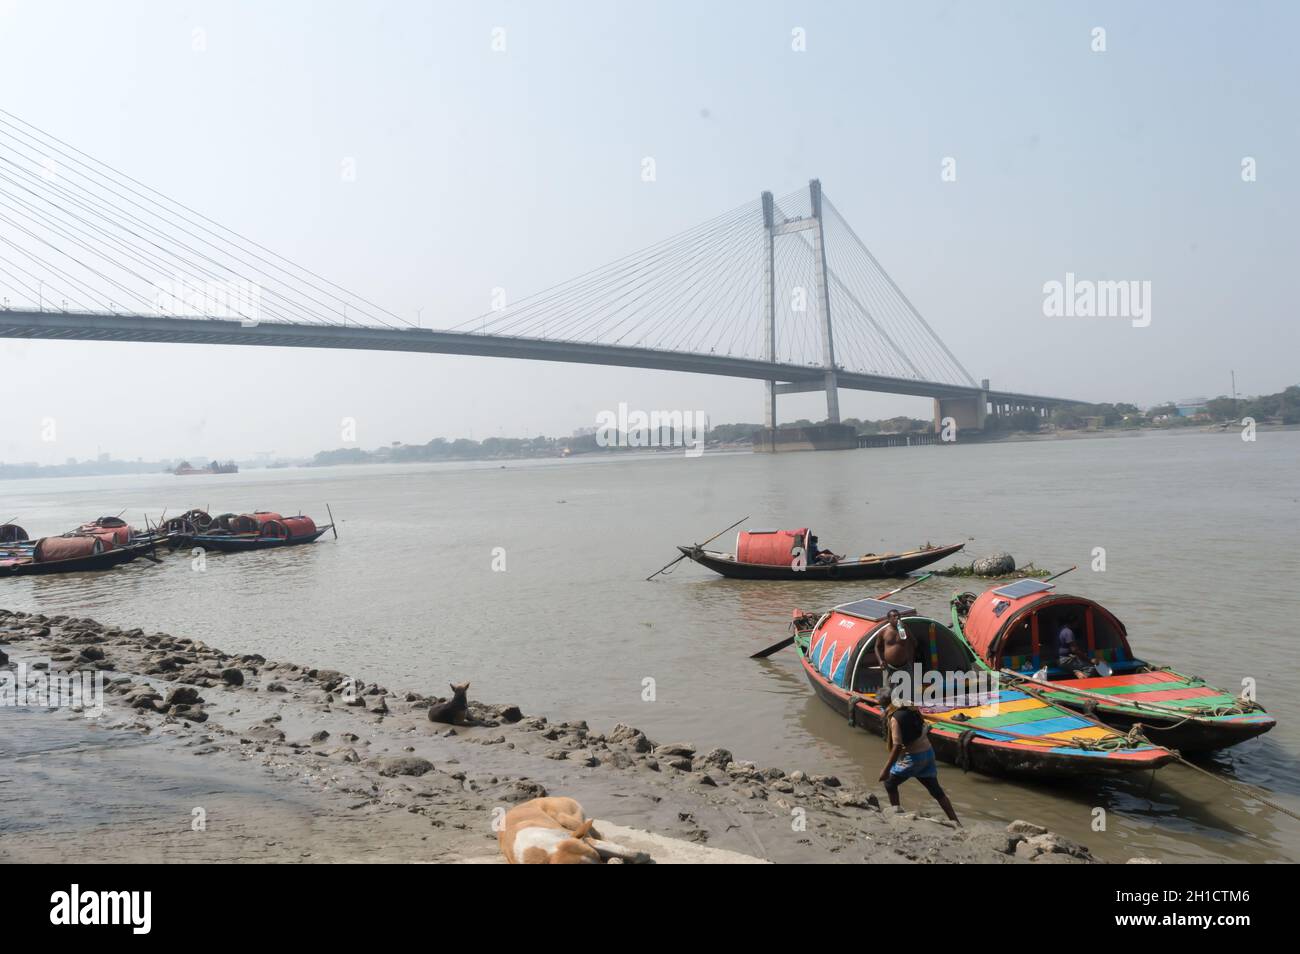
(332, 527)
(697, 546)
(1062, 573)
(777, 647)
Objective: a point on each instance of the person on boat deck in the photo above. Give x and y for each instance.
(911, 756)
(895, 653)
(817, 555)
(1072, 657)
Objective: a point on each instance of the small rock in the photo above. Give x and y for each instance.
(1028, 829)
(675, 748)
(719, 757)
(995, 564)
(182, 696)
(404, 765)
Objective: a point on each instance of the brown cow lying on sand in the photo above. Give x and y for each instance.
(554, 831)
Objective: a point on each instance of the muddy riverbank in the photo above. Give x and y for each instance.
(204, 756)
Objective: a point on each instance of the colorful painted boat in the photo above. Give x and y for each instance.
(1013, 628)
(976, 720)
(781, 555)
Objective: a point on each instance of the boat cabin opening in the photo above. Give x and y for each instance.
(1026, 628)
(843, 649)
(12, 533)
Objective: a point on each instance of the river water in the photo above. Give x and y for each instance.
(528, 580)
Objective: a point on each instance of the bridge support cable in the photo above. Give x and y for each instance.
(25, 147)
(783, 281)
(929, 337)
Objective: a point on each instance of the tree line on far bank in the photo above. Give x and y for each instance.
(1282, 407)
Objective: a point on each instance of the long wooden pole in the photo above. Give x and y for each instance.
(698, 545)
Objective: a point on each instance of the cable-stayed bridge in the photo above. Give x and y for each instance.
(780, 290)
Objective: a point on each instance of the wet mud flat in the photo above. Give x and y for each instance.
(203, 756)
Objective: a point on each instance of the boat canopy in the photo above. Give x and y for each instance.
(12, 533)
(251, 522)
(113, 529)
(49, 549)
(844, 638)
(289, 528)
(1016, 626)
(770, 547)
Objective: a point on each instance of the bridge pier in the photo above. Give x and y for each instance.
(967, 413)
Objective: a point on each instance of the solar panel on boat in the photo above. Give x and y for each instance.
(1023, 588)
(874, 609)
(762, 531)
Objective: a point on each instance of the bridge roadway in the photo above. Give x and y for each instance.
(95, 326)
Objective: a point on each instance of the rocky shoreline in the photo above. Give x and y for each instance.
(376, 780)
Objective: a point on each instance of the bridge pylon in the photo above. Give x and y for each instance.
(810, 223)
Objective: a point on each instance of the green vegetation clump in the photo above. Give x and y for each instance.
(1028, 570)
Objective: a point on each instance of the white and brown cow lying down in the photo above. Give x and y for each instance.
(554, 831)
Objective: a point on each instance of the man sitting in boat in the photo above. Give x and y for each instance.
(895, 653)
(817, 555)
(1072, 656)
(911, 756)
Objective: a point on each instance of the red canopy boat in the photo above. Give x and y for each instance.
(783, 555)
(70, 553)
(979, 723)
(260, 530)
(1014, 628)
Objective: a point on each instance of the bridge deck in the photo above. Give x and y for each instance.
(81, 326)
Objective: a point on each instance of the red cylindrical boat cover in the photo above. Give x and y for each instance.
(769, 547)
(252, 522)
(117, 534)
(67, 548)
(989, 621)
(300, 526)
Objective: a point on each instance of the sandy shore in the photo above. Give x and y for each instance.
(200, 756)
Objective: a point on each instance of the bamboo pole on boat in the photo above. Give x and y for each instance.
(697, 546)
(332, 527)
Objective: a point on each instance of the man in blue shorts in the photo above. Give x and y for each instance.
(911, 756)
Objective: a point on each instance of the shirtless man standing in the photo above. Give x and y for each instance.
(911, 756)
(895, 652)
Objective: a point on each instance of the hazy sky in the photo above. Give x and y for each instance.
(478, 169)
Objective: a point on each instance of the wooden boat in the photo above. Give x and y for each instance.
(180, 531)
(976, 720)
(1013, 628)
(68, 554)
(261, 530)
(118, 531)
(780, 555)
(12, 533)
